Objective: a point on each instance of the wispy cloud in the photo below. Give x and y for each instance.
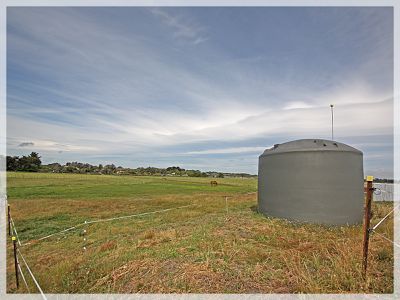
(182, 29)
(297, 105)
(124, 87)
(229, 150)
(52, 146)
(26, 144)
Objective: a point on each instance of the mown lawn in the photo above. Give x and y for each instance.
(204, 248)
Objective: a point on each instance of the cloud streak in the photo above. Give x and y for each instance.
(228, 150)
(136, 85)
(181, 29)
(26, 144)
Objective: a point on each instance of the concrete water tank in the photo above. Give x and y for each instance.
(312, 180)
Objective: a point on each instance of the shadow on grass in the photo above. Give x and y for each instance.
(254, 208)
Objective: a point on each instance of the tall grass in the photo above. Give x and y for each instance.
(201, 249)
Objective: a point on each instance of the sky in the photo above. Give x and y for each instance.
(205, 88)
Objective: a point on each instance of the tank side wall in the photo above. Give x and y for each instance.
(321, 187)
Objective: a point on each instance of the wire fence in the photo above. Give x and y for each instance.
(108, 220)
(373, 229)
(385, 189)
(23, 277)
(32, 276)
(385, 217)
(19, 254)
(386, 238)
(15, 231)
(384, 192)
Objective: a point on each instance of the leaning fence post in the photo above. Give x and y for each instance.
(9, 220)
(367, 218)
(15, 259)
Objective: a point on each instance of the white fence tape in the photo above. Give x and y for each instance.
(23, 277)
(15, 230)
(108, 220)
(389, 240)
(384, 218)
(33, 276)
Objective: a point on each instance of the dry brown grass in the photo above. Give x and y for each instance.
(201, 249)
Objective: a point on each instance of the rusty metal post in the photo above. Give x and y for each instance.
(9, 220)
(367, 218)
(15, 260)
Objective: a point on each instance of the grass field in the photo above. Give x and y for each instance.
(204, 248)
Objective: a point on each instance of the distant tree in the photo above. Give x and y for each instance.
(54, 167)
(69, 169)
(12, 163)
(194, 173)
(30, 163)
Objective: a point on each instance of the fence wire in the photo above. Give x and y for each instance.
(373, 229)
(385, 217)
(15, 230)
(26, 264)
(108, 220)
(387, 239)
(32, 276)
(23, 277)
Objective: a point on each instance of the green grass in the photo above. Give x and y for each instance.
(74, 186)
(201, 249)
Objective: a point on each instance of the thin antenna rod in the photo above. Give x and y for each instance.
(332, 119)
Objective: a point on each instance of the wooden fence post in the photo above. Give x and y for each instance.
(9, 220)
(15, 259)
(367, 218)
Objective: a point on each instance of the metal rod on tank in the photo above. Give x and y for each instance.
(332, 119)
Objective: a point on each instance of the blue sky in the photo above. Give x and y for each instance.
(202, 88)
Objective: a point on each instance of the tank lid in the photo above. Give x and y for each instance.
(310, 145)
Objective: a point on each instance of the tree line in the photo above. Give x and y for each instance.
(32, 163)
